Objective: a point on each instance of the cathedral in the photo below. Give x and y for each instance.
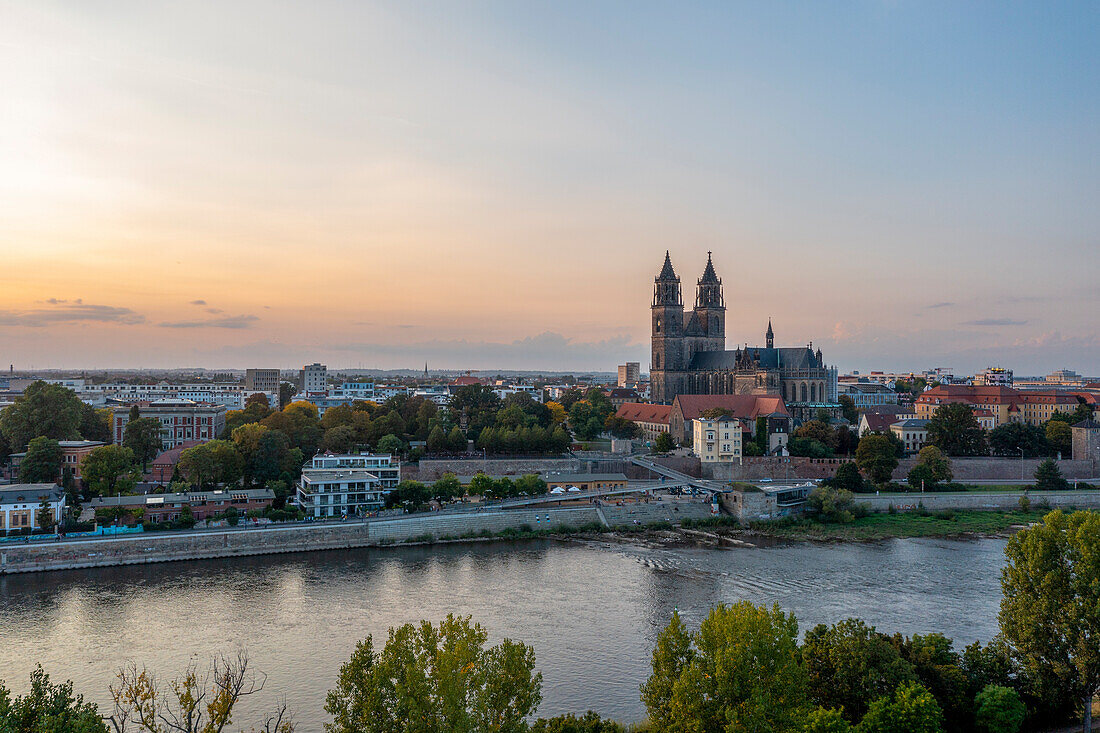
(690, 355)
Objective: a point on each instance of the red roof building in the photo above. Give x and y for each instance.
(686, 408)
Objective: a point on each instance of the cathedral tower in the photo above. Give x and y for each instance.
(666, 334)
(710, 309)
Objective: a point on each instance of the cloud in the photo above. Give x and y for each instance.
(845, 332)
(994, 322)
(943, 304)
(64, 311)
(198, 302)
(214, 310)
(226, 322)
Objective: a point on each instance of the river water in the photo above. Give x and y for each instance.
(590, 610)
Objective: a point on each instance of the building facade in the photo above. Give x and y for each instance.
(652, 419)
(717, 440)
(689, 353)
(686, 408)
(347, 484)
(313, 380)
(630, 374)
(912, 433)
(181, 421)
(72, 456)
(1086, 440)
(1005, 404)
(20, 505)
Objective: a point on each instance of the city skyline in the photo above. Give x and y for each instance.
(376, 185)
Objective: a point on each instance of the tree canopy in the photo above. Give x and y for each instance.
(954, 430)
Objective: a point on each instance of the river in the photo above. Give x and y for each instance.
(590, 610)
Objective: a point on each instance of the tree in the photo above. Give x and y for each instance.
(481, 484)
(134, 414)
(446, 488)
(849, 664)
(247, 440)
(437, 440)
(198, 466)
(848, 409)
(848, 477)
(832, 505)
(143, 437)
(48, 708)
(95, 424)
(390, 444)
(590, 722)
(409, 494)
(1018, 440)
(822, 720)
(1048, 477)
(557, 413)
(741, 672)
(998, 710)
(456, 441)
(809, 448)
(42, 463)
(620, 427)
(228, 464)
(433, 679)
(530, 485)
(817, 430)
(46, 519)
(954, 430)
(664, 443)
(340, 439)
(105, 467)
(876, 457)
(910, 709)
(1059, 437)
(42, 411)
(194, 702)
(932, 468)
(1050, 609)
(937, 667)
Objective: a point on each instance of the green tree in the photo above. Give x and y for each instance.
(998, 710)
(1048, 477)
(228, 464)
(143, 437)
(849, 664)
(1050, 609)
(198, 466)
(590, 722)
(436, 679)
(46, 519)
(1017, 440)
(437, 440)
(108, 469)
(876, 457)
(95, 424)
(937, 463)
(664, 443)
(530, 485)
(446, 488)
(42, 463)
(390, 444)
(409, 494)
(848, 477)
(48, 708)
(954, 430)
(848, 409)
(937, 667)
(825, 721)
(741, 672)
(809, 448)
(134, 414)
(456, 441)
(340, 439)
(42, 411)
(828, 504)
(910, 709)
(817, 430)
(1059, 437)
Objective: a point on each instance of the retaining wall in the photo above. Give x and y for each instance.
(431, 469)
(1007, 501)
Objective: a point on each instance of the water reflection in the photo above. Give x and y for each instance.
(591, 610)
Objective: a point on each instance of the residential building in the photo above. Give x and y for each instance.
(879, 418)
(383, 392)
(347, 484)
(717, 440)
(72, 455)
(230, 394)
(204, 504)
(1005, 404)
(652, 419)
(912, 433)
(620, 396)
(686, 408)
(630, 374)
(313, 380)
(993, 377)
(21, 503)
(182, 420)
(585, 481)
(867, 394)
(1086, 440)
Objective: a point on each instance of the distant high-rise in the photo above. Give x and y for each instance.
(313, 380)
(630, 373)
(263, 380)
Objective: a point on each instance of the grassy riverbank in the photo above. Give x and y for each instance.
(881, 526)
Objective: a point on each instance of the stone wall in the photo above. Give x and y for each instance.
(758, 467)
(431, 469)
(1010, 469)
(1008, 500)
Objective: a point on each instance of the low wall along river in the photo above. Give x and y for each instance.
(149, 547)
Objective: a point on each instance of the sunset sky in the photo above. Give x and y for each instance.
(479, 185)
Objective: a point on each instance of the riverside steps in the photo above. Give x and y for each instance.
(154, 547)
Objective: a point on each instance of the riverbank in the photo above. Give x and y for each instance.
(882, 526)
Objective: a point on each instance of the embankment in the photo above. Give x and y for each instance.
(168, 546)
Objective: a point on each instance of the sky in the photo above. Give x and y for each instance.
(485, 185)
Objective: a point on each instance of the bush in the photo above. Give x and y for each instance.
(998, 710)
(1025, 504)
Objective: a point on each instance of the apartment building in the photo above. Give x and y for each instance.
(182, 420)
(335, 485)
(717, 440)
(313, 380)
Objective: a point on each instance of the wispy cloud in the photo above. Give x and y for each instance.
(226, 322)
(214, 310)
(198, 302)
(65, 311)
(994, 322)
(942, 304)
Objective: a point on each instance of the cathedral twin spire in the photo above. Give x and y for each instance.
(667, 286)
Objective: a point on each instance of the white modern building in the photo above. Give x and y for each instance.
(993, 377)
(20, 505)
(313, 379)
(717, 440)
(347, 484)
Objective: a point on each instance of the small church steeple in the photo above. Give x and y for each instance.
(769, 337)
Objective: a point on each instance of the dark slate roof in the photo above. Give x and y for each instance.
(784, 358)
(1088, 424)
(667, 273)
